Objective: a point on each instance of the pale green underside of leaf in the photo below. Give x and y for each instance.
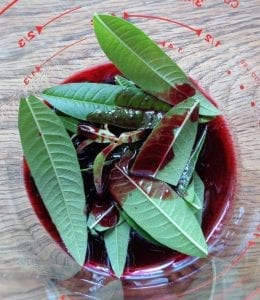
(141, 60)
(116, 242)
(52, 160)
(171, 222)
(124, 82)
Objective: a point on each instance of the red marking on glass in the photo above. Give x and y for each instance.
(30, 35)
(128, 15)
(253, 295)
(248, 68)
(8, 6)
(232, 3)
(38, 68)
(195, 3)
(253, 103)
(211, 40)
(39, 28)
(242, 87)
(170, 45)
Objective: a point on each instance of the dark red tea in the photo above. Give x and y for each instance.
(216, 167)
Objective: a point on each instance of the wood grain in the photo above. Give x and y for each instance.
(31, 263)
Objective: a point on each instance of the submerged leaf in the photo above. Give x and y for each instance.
(116, 241)
(53, 164)
(167, 149)
(145, 63)
(155, 207)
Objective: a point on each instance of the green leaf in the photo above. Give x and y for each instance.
(137, 228)
(155, 207)
(191, 164)
(105, 103)
(70, 124)
(53, 163)
(116, 242)
(145, 63)
(166, 151)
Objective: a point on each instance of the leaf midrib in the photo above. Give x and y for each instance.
(158, 207)
(59, 184)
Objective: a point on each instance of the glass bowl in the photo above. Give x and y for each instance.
(37, 259)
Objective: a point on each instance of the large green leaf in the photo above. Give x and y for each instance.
(116, 241)
(145, 63)
(105, 103)
(53, 163)
(155, 207)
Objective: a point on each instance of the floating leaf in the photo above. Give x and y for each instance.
(142, 61)
(158, 210)
(191, 164)
(98, 166)
(167, 149)
(105, 103)
(116, 242)
(53, 163)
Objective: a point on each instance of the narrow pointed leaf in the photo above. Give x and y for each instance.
(53, 163)
(98, 166)
(155, 207)
(166, 151)
(191, 164)
(105, 103)
(145, 63)
(116, 242)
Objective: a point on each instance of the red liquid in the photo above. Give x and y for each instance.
(216, 167)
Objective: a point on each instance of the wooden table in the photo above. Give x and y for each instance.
(223, 57)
